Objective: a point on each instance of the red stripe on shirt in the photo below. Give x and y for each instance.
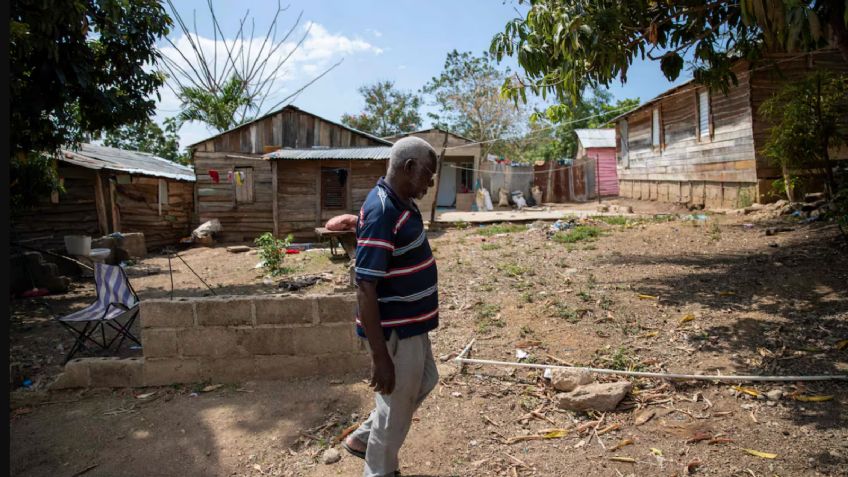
(372, 242)
(402, 220)
(397, 272)
(406, 321)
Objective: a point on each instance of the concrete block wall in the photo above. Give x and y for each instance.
(712, 195)
(231, 340)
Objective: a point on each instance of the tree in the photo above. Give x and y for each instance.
(808, 120)
(232, 88)
(387, 111)
(147, 136)
(78, 66)
(467, 93)
(565, 46)
(552, 136)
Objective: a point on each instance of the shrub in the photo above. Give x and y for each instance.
(272, 251)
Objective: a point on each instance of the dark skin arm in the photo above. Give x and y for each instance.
(382, 369)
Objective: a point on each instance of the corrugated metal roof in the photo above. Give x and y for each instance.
(96, 157)
(596, 137)
(653, 100)
(353, 153)
(395, 137)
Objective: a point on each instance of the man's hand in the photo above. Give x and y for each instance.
(382, 375)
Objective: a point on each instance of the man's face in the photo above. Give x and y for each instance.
(423, 177)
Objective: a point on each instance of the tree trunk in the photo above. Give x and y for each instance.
(840, 33)
(787, 183)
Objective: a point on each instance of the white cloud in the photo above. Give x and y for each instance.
(376, 33)
(319, 50)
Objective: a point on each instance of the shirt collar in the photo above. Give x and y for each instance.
(396, 199)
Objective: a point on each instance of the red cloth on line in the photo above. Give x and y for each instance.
(214, 175)
(292, 251)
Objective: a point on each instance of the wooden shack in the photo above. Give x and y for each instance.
(693, 145)
(597, 146)
(312, 186)
(111, 190)
(457, 173)
(251, 195)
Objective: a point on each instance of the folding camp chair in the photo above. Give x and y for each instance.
(116, 300)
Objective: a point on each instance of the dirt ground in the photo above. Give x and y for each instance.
(714, 296)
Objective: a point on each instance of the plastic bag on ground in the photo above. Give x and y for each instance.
(518, 199)
(207, 229)
(487, 200)
(536, 193)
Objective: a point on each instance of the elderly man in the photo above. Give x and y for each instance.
(398, 304)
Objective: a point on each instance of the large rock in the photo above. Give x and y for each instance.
(598, 396)
(565, 380)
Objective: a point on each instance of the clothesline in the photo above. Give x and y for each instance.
(513, 173)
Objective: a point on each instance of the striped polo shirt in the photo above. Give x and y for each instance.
(392, 250)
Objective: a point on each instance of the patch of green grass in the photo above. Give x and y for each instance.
(714, 231)
(522, 286)
(588, 233)
(505, 228)
(623, 359)
(490, 246)
(487, 317)
(562, 310)
(526, 331)
(527, 297)
(606, 303)
(512, 269)
(591, 281)
(613, 219)
(487, 287)
(462, 225)
(585, 297)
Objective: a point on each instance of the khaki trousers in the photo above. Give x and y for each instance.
(386, 428)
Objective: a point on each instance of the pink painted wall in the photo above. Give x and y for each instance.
(607, 167)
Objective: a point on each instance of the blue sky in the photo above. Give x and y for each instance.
(403, 41)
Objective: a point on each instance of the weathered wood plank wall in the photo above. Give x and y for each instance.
(138, 206)
(75, 214)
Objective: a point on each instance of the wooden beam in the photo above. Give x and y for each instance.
(275, 207)
(116, 213)
(100, 204)
(438, 179)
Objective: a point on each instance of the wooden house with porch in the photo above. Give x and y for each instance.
(111, 190)
(457, 173)
(328, 171)
(693, 145)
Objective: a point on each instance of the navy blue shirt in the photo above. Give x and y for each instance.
(392, 250)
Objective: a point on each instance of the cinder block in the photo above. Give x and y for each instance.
(224, 311)
(167, 314)
(164, 371)
(359, 363)
(284, 367)
(227, 370)
(159, 343)
(212, 341)
(319, 340)
(336, 308)
(269, 341)
(116, 372)
(285, 311)
(75, 375)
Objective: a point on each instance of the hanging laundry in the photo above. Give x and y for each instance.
(229, 177)
(214, 175)
(239, 178)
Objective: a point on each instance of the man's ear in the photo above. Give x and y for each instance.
(409, 166)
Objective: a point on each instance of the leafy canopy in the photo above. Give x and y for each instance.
(215, 107)
(387, 110)
(808, 120)
(147, 136)
(467, 94)
(77, 66)
(565, 46)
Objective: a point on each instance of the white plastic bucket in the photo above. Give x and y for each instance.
(78, 245)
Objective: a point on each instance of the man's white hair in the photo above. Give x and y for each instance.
(410, 147)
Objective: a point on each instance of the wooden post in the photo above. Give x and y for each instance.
(100, 204)
(116, 213)
(275, 197)
(438, 179)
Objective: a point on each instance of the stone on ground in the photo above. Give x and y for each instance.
(597, 396)
(330, 456)
(565, 380)
(238, 248)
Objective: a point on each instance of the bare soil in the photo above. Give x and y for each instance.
(715, 296)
